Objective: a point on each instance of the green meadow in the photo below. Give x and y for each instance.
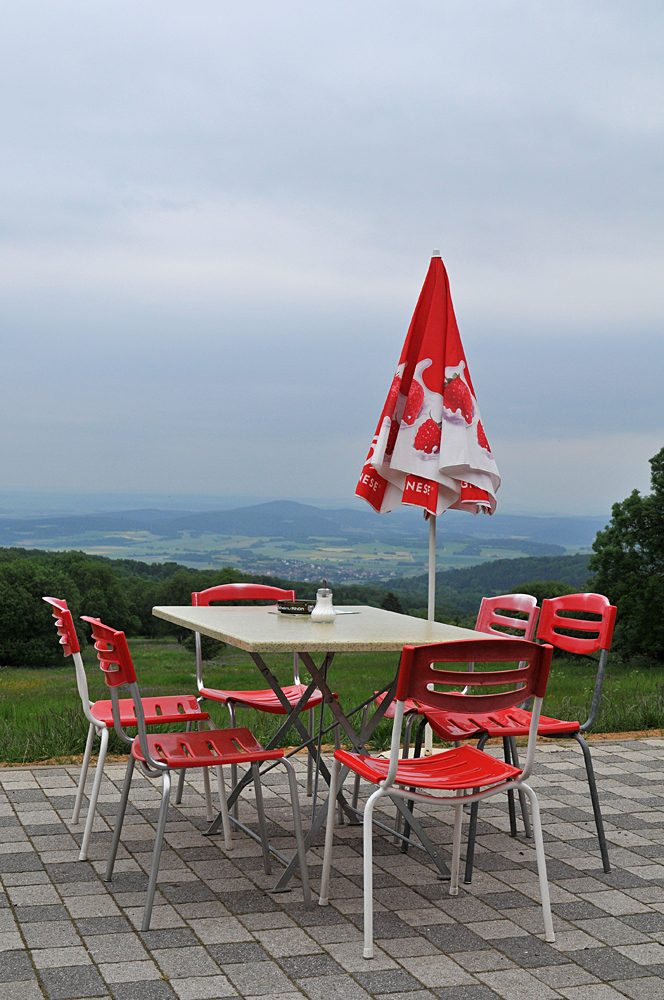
(41, 718)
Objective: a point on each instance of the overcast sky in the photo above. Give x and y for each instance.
(216, 218)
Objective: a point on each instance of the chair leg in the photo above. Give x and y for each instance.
(541, 863)
(94, 795)
(592, 785)
(417, 752)
(299, 835)
(110, 864)
(456, 848)
(181, 776)
(231, 721)
(223, 801)
(337, 746)
(405, 753)
(223, 805)
(209, 812)
(156, 852)
(323, 898)
(84, 773)
(507, 751)
(311, 727)
(367, 850)
(262, 827)
(523, 798)
(356, 781)
(472, 829)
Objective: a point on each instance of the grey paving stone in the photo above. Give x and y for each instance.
(606, 964)
(386, 925)
(186, 892)
(28, 862)
(529, 952)
(88, 926)
(181, 962)
(14, 966)
(579, 909)
(27, 989)
(387, 981)
(509, 900)
(648, 988)
(619, 878)
(74, 871)
(648, 922)
(303, 966)
(453, 937)
(50, 934)
(169, 937)
(249, 901)
(147, 990)
(262, 979)
(26, 795)
(73, 983)
(129, 882)
(240, 951)
(333, 988)
(317, 916)
(479, 992)
(55, 911)
(189, 854)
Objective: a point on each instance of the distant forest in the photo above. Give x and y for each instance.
(122, 592)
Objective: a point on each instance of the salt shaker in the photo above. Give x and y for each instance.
(324, 610)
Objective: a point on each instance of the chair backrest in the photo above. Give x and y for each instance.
(64, 623)
(601, 632)
(419, 675)
(489, 615)
(240, 592)
(551, 621)
(112, 653)
(117, 666)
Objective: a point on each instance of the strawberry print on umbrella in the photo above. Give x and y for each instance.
(430, 448)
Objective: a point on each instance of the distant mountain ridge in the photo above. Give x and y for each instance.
(295, 521)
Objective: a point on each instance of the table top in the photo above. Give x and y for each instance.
(259, 630)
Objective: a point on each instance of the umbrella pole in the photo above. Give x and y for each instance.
(432, 568)
(428, 732)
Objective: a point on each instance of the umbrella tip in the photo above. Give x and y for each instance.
(436, 253)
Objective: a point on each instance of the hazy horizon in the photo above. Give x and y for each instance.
(61, 503)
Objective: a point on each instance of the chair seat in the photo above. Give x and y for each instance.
(264, 701)
(410, 706)
(205, 749)
(460, 767)
(507, 722)
(158, 711)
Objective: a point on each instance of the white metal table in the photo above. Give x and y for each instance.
(258, 630)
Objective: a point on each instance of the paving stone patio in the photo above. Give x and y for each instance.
(65, 934)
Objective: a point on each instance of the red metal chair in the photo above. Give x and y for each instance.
(159, 754)
(263, 700)
(492, 619)
(553, 625)
(158, 712)
(459, 768)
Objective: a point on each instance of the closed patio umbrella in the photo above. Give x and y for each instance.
(430, 448)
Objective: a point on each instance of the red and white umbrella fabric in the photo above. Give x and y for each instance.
(430, 448)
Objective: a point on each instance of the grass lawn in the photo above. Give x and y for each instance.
(41, 718)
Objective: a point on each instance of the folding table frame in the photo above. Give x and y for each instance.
(371, 629)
